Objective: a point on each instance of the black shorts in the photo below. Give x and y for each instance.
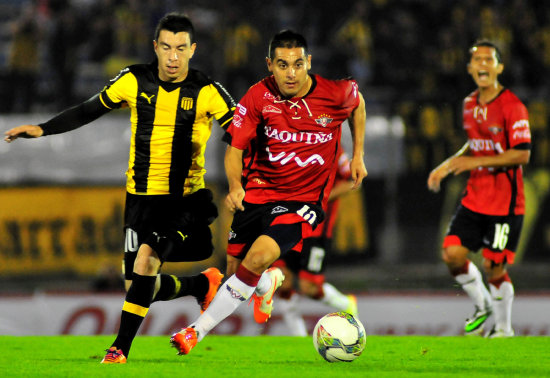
(286, 222)
(176, 227)
(498, 236)
(311, 259)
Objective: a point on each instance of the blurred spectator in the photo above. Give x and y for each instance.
(23, 61)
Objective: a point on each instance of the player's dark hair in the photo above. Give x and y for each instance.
(486, 43)
(176, 22)
(287, 39)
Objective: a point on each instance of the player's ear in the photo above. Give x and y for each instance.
(308, 62)
(500, 68)
(269, 64)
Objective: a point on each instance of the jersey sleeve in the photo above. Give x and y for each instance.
(245, 122)
(350, 95)
(221, 104)
(519, 132)
(119, 90)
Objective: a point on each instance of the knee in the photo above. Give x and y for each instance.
(309, 289)
(455, 256)
(147, 262)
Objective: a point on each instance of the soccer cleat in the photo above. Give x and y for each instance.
(114, 356)
(214, 280)
(184, 340)
(263, 305)
(475, 323)
(352, 308)
(495, 333)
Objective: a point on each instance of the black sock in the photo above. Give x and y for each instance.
(137, 302)
(172, 287)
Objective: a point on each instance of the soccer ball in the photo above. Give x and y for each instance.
(339, 336)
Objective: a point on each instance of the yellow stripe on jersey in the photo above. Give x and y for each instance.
(208, 98)
(162, 138)
(135, 309)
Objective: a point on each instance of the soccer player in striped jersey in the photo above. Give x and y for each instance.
(490, 215)
(283, 144)
(168, 209)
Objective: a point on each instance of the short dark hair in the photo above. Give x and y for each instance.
(288, 39)
(486, 43)
(176, 22)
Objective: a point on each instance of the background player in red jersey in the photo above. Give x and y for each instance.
(490, 215)
(308, 266)
(287, 128)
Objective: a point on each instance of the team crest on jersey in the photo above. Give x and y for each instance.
(495, 129)
(271, 109)
(279, 209)
(186, 103)
(323, 120)
(232, 234)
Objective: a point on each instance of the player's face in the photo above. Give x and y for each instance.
(289, 67)
(173, 52)
(484, 67)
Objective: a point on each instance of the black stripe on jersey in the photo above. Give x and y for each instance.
(107, 101)
(522, 146)
(513, 189)
(145, 121)
(225, 121)
(182, 142)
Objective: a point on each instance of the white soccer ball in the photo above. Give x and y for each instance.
(339, 336)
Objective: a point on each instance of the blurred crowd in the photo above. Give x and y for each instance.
(409, 56)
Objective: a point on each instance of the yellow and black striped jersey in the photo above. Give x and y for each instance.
(171, 123)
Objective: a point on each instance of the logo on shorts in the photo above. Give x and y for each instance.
(279, 209)
(235, 294)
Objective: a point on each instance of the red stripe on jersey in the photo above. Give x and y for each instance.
(499, 257)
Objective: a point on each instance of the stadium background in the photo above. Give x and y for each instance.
(62, 196)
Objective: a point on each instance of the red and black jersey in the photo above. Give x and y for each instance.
(492, 129)
(291, 144)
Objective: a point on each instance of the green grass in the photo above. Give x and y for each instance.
(277, 356)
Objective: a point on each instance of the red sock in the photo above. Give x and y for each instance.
(246, 276)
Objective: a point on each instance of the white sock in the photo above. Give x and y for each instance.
(473, 285)
(292, 316)
(230, 296)
(263, 284)
(503, 297)
(334, 298)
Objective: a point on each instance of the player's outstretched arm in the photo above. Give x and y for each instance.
(23, 131)
(357, 123)
(233, 162)
(442, 170)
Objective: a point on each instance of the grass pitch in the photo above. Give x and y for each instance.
(277, 356)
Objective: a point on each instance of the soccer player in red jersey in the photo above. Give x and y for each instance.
(490, 215)
(283, 144)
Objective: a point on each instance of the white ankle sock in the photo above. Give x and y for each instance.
(230, 296)
(473, 285)
(503, 297)
(334, 298)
